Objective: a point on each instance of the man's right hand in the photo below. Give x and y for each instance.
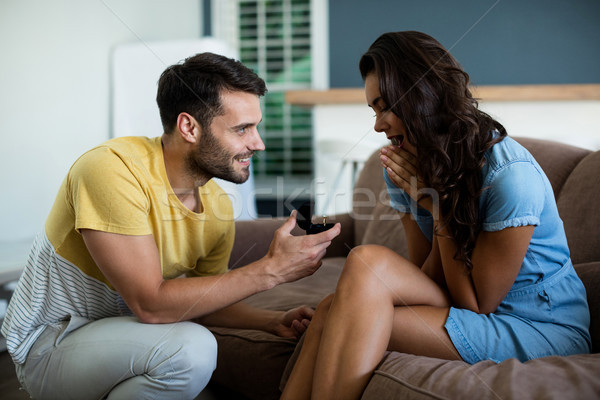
(293, 257)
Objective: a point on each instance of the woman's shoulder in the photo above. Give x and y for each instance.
(507, 151)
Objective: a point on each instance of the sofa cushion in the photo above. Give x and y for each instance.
(251, 362)
(386, 229)
(589, 274)
(405, 376)
(375, 221)
(369, 192)
(577, 207)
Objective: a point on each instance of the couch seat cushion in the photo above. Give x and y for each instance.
(251, 362)
(405, 376)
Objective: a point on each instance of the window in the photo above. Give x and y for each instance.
(273, 37)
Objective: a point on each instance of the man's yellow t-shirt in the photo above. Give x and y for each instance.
(122, 187)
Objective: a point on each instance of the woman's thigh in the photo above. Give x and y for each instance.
(420, 330)
(379, 277)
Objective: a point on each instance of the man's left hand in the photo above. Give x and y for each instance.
(294, 322)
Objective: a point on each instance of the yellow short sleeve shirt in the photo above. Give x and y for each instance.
(122, 187)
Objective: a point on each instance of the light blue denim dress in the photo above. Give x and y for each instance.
(545, 312)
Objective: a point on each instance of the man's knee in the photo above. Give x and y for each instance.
(198, 348)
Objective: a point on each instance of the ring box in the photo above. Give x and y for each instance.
(304, 220)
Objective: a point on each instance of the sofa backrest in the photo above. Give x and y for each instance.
(375, 222)
(578, 207)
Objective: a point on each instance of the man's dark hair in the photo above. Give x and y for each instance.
(195, 87)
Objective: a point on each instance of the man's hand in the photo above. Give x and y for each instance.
(293, 257)
(294, 322)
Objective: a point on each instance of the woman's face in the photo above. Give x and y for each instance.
(385, 120)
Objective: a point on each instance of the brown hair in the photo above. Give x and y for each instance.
(428, 90)
(195, 87)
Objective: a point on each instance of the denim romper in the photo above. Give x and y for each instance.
(545, 312)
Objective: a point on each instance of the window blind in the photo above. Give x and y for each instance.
(273, 37)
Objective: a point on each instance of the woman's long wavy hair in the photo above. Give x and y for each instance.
(428, 90)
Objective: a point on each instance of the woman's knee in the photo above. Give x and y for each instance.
(319, 318)
(364, 264)
(322, 310)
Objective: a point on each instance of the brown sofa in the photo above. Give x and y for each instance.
(251, 364)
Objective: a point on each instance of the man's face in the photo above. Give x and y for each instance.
(224, 150)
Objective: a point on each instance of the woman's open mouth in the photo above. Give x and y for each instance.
(397, 140)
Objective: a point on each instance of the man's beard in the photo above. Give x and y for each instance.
(210, 159)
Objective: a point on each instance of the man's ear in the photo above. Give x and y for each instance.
(189, 129)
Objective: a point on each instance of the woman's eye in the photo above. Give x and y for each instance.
(381, 112)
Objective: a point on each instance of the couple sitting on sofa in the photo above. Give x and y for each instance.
(488, 275)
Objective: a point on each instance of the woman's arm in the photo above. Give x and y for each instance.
(417, 244)
(497, 259)
(423, 253)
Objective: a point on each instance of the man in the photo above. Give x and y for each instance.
(97, 312)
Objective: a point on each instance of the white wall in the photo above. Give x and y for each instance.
(54, 89)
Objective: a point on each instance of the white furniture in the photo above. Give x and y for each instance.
(349, 158)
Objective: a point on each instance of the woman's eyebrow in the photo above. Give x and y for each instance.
(374, 103)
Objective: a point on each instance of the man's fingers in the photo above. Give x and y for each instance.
(289, 223)
(325, 236)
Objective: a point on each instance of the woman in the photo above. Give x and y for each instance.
(489, 275)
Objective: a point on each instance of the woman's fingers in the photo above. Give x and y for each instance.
(402, 164)
(401, 167)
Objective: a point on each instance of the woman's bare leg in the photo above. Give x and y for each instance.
(420, 330)
(362, 320)
(299, 384)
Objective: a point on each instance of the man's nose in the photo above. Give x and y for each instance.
(256, 144)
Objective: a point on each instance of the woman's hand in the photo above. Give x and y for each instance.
(293, 323)
(401, 166)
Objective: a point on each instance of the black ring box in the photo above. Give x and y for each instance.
(304, 219)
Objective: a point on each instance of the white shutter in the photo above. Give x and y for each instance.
(273, 37)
